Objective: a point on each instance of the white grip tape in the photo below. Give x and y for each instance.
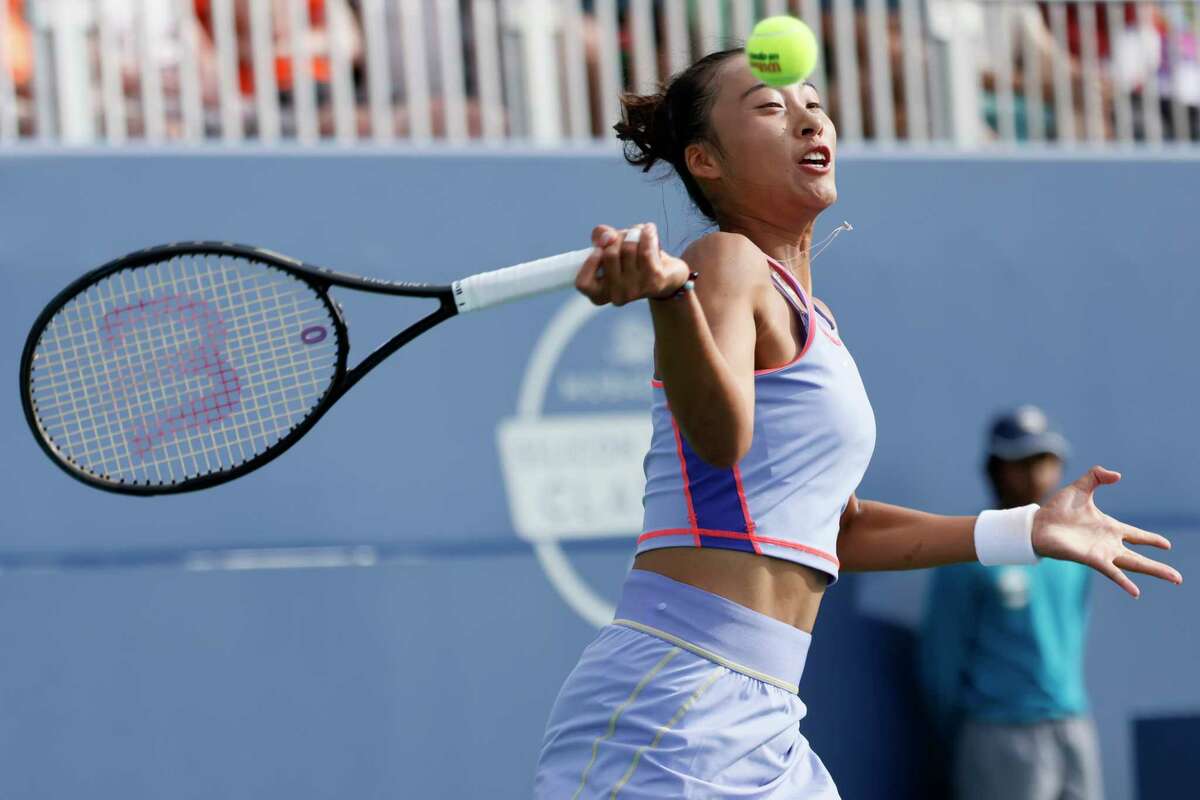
(486, 289)
(1006, 537)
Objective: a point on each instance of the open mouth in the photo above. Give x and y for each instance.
(817, 160)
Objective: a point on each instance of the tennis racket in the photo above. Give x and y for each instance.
(182, 366)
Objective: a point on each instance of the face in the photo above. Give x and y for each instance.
(777, 147)
(1030, 480)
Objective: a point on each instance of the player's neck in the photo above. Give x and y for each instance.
(792, 249)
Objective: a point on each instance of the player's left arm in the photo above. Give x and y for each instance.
(879, 536)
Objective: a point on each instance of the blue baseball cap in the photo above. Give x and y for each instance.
(1022, 432)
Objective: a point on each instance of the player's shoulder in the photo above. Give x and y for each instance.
(721, 250)
(727, 258)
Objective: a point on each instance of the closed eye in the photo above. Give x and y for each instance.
(771, 105)
(813, 105)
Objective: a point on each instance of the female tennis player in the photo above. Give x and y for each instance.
(762, 432)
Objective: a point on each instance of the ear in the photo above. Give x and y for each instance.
(701, 161)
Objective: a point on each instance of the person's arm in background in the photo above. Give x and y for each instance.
(951, 614)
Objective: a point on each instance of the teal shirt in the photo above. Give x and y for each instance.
(1005, 644)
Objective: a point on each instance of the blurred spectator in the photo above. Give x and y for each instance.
(167, 16)
(1002, 648)
(592, 36)
(1151, 50)
(1140, 54)
(150, 30)
(318, 41)
(978, 25)
(831, 93)
(17, 48)
(1152, 47)
(1181, 84)
(436, 81)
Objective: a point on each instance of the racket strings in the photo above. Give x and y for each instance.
(114, 372)
(181, 368)
(139, 410)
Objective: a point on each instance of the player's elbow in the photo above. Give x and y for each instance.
(717, 421)
(725, 449)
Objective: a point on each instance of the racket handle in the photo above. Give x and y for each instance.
(487, 289)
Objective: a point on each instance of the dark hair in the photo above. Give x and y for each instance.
(992, 465)
(659, 127)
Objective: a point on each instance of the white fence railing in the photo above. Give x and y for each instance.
(967, 72)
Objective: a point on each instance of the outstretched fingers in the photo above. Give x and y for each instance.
(1138, 536)
(1104, 475)
(1136, 562)
(1118, 577)
(1096, 476)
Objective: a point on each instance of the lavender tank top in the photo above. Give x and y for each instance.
(814, 433)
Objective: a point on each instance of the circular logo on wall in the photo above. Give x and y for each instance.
(572, 456)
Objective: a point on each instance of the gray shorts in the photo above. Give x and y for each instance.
(1052, 760)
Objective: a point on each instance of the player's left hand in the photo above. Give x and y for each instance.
(1072, 528)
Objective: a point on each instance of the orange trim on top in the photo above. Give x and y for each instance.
(687, 486)
(812, 323)
(741, 491)
(696, 533)
(832, 336)
(830, 326)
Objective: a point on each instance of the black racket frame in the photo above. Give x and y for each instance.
(319, 279)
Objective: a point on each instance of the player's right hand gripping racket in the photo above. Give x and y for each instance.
(186, 365)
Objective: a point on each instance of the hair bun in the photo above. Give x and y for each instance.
(645, 129)
(660, 126)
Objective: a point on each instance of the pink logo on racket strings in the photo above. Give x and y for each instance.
(204, 358)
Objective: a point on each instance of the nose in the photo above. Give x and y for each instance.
(809, 124)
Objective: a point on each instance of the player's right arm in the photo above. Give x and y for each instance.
(704, 340)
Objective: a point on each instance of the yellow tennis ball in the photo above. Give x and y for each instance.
(782, 50)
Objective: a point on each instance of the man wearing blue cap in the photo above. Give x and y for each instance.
(1002, 647)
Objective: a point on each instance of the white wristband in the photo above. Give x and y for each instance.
(1006, 537)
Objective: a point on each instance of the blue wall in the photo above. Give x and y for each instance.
(133, 668)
